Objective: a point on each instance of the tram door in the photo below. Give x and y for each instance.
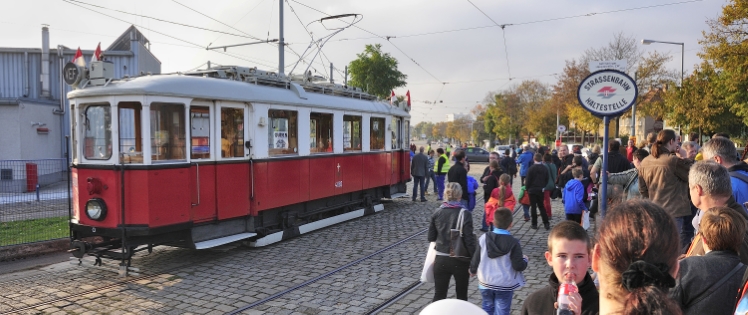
(405, 165)
(397, 150)
(202, 168)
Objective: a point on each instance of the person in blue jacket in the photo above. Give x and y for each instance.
(573, 197)
(525, 161)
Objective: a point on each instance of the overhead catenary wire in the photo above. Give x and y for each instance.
(160, 20)
(387, 38)
(503, 33)
(528, 22)
(163, 34)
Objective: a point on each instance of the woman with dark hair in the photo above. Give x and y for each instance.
(445, 267)
(636, 257)
(663, 179)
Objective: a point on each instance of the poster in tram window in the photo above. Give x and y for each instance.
(313, 133)
(280, 133)
(347, 134)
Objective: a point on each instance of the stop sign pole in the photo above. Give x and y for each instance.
(606, 94)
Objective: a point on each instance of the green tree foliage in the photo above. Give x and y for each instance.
(698, 103)
(424, 127)
(439, 130)
(565, 95)
(651, 73)
(725, 44)
(375, 72)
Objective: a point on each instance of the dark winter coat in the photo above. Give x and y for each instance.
(541, 301)
(458, 174)
(699, 273)
(445, 219)
(537, 178)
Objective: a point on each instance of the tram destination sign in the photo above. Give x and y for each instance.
(607, 93)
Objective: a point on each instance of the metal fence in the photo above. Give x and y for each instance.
(34, 199)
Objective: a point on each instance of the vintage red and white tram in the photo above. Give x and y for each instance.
(201, 159)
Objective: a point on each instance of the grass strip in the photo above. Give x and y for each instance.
(35, 230)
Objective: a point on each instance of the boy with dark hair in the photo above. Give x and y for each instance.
(573, 197)
(569, 255)
(498, 262)
(707, 284)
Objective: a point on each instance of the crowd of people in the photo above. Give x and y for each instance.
(674, 240)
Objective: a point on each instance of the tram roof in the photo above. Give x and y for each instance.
(196, 87)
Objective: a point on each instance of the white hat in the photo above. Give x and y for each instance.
(451, 307)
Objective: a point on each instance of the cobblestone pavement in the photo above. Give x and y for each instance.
(219, 281)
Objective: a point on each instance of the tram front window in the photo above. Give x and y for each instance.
(167, 132)
(97, 134)
(130, 140)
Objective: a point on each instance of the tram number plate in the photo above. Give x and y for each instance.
(339, 184)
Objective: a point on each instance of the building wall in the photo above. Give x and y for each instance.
(35, 145)
(10, 143)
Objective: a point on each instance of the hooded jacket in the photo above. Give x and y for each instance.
(498, 262)
(541, 301)
(525, 160)
(573, 197)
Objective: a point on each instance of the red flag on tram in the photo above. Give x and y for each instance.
(407, 95)
(392, 97)
(78, 59)
(97, 54)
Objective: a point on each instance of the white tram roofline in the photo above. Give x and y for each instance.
(202, 88)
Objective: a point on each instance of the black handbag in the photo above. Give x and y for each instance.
(457, 248)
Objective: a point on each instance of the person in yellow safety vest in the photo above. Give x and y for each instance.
(441, 167)
(446, 151)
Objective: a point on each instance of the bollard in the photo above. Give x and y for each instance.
(37, 192)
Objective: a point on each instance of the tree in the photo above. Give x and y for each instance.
(565, 96)
(375, 72)
(423, 127)
(439, 130)
(725, 44)
(620, 48)
(651, 73)
(698, 105)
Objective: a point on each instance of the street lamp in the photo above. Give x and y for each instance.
(682, 52)
(682, 56)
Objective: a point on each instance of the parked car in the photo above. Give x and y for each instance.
(475, 154)
(501, 148)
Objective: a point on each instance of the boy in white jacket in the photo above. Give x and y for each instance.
(498, 262)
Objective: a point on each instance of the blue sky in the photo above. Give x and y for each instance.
(540, 36)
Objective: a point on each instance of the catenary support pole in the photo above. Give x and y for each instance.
(281, 44)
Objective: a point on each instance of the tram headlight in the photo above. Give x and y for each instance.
(96, 209)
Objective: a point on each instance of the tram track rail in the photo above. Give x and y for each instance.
(120, 283)
(336, 270)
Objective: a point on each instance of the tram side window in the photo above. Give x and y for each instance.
(74, 132)
(130, 140)
(320, 136)
(98, 132)
(377, 134)
(199, 133)
(167, 132)
(395, 128)
(283, 132)
(351, 133)
(232, 132)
